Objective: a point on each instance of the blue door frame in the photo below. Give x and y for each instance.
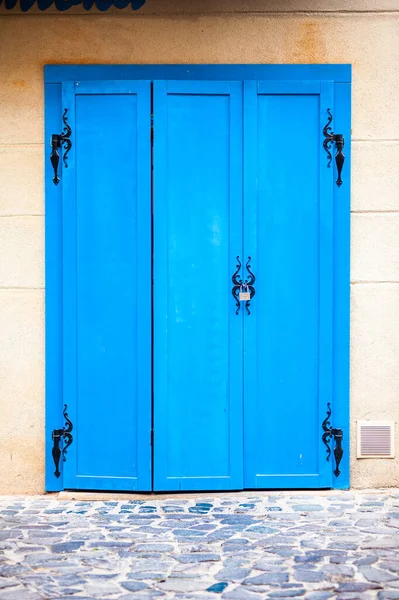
(55, 78)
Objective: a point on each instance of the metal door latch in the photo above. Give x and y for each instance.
(57, 434)
(239, 285)
(338, 138)
(58, 140)
(337, 434)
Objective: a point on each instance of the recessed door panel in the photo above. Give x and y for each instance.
(107, 286)
(288, 336)
(197, 335)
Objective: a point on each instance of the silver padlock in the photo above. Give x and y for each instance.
(244, 295)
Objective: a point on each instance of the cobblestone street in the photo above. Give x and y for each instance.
(341, 545)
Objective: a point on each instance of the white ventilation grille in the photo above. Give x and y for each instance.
(375, 439)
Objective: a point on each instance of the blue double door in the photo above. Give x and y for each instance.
(174, 381)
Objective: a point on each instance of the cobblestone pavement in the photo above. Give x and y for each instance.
(344, 545)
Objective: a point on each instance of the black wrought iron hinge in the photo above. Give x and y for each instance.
(58, 140)
(337, 434)
(57, 434)
(339, 144)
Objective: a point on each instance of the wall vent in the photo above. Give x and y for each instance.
(375, 439)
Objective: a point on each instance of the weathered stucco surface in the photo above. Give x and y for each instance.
(363, 33)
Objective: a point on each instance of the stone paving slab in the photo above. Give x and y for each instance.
(246, 546)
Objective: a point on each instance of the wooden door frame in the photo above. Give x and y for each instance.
(54, 76)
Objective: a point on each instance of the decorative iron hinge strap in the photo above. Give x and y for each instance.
(339, 144)
(58, 140)
(337, 434)
(57, 434)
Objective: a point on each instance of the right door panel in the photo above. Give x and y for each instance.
(288, 190)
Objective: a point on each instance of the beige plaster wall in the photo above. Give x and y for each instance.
(364, 33)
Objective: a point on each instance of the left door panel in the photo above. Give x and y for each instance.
(107, 285)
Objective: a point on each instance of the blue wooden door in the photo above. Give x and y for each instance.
(288, 232)
(107, 285)
(198, 353)
(153, 345)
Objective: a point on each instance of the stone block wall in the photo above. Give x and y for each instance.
(364, 33)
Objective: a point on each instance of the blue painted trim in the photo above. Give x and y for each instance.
(326, 282)
(107, 87)
(69, 280)
(198, 87)
(60, 73)
(250, 243)
(53, 298)
(289, 482)
(341, 317)
(160, 263)
(288, 87)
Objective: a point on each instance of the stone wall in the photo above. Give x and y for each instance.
(363, 33)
